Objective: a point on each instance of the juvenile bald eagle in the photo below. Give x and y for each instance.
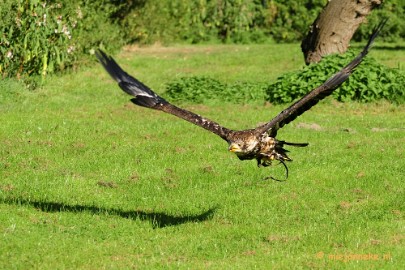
(259, 143)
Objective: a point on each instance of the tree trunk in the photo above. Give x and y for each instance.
(333, 29)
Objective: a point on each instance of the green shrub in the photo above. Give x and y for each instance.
(371, 81)
(204, 89)
(292, 18)
(39, 38)
(235, 21)
(36, 38)
(43, 37)
(98, 26)
(394, 30)
(241, 21)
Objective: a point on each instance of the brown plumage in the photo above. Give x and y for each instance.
(259, 143)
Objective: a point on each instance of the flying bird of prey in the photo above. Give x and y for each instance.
(258, 143)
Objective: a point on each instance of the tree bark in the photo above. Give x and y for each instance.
(333, 29)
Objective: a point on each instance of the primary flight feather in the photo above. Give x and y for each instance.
(258, 143)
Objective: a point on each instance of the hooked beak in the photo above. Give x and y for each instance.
(234, 148)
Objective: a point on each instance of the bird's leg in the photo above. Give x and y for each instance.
(265, 160)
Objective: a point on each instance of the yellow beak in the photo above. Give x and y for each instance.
(234, 148)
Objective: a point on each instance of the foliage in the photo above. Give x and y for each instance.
(40, 38)
(98, 26)
(196, 21)
(43, 37)
(241, 21)
(370, 82)
(228, 21)
(394, 30)
(198, 89)
(292, 18)
(36, 38)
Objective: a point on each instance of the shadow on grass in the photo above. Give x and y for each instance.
(158, 220)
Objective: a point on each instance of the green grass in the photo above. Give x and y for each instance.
(89, 181)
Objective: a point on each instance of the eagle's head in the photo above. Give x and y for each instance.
(245, 147)
(235, 147)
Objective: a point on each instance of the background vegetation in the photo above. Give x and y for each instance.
(41, 37)
(241, 21)
(370, 82)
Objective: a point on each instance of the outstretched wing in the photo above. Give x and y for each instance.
(319, 93)
(145, 97)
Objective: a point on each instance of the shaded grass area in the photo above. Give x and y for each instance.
(90, 181)
(158, 220)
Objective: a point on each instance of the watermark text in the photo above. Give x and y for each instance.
(346, 257)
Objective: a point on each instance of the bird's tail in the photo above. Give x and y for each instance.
(282, 153)
(282, 143)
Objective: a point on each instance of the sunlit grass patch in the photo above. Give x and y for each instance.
(90, 181)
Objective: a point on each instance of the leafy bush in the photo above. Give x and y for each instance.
(370, 82)
(98, 26)
(204, 89)
(241, 21)
(395, 28)
(40, 38)
(43, 37)
(292, 18)
(196, 21)
(36, 38)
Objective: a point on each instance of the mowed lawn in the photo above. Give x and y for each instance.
(90, 181)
